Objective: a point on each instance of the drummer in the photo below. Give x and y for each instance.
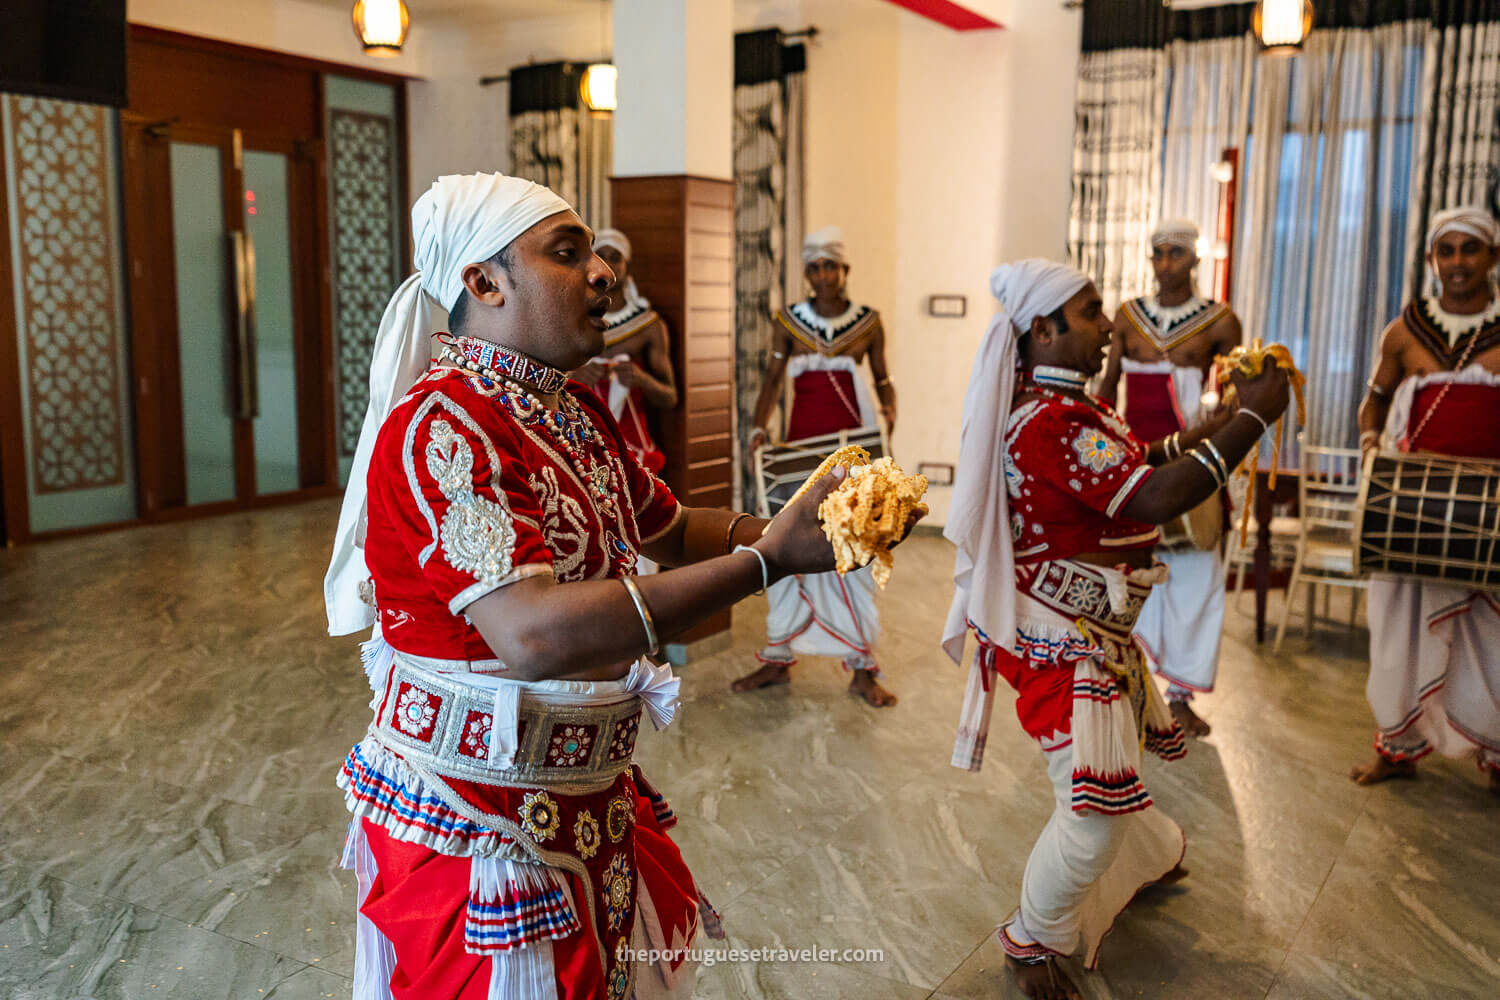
(1434, 669)
(1164, 346)
(817, 347)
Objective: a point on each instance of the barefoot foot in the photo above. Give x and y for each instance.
(864, 684)
(1043, 981)
(767, 676)
(1380, 769)
(1189, 720)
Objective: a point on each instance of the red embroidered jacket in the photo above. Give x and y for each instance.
(468, 494)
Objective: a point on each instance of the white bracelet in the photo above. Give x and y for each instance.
(1264, 427)
(653, 645)
(765, 572)
(1208, 464)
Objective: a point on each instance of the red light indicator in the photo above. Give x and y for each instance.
(252, 209)
(249, 195)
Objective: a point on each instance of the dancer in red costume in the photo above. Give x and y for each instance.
(506, 845)
(1054, 516)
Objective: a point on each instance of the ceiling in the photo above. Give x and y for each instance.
(489, 10)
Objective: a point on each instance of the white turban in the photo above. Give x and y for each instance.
(825, 244)
(462, 219)
(984, 569)
(1469, 219)
(612, 238)
(1176, 233)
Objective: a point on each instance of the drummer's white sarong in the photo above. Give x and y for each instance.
(823, 615)
(1086, 867)
(1183, 619)
(1434, 670)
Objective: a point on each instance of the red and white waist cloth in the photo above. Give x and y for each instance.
(1081, 681)
(518, 806)
(828, 395)
(1451, 413)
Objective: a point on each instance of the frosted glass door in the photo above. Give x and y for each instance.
(204, 352)
(267, 202)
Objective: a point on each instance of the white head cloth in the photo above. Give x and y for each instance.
(1469, 219)
(462, 219)
(979, 514)
(825, 244)
(612, 238)
(1176, 233)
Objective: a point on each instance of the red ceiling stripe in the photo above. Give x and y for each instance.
(948, 13)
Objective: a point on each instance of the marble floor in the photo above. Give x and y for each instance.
(172, 714)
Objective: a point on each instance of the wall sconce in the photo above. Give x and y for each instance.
(598, 88)
(1282, 25)
(381, 26)
(1223, 172)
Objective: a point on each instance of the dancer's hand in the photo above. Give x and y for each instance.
(592, 373)
(628, 374)
(758, 437)
(1268, 394)
(794, 542)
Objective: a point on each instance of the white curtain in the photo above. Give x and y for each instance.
(1209, 86)
(1321, 242)
(1460, 125)
(1117, 158)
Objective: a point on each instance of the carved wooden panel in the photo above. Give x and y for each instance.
(66, 258)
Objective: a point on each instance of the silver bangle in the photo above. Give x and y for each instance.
(646, 621)
(1218, 457)
(1264, 427)
(1208, 464)
(1172, 448)
(765, 572)
(1376, 390)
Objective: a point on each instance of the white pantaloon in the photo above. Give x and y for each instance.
(1086, 867)
(823, 615)
(1182, 622)
(1434, 670)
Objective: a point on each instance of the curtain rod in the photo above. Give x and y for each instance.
(810, 33)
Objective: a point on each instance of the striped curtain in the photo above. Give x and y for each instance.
(555, 141)
(768, 213)
(1389, 114)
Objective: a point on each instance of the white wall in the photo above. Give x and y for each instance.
(940, 154)
(457, 126)
(315, 30)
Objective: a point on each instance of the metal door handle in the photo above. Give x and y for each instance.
(246, 383)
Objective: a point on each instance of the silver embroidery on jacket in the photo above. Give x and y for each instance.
(478, 534)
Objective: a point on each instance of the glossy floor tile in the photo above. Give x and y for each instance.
(172, 715)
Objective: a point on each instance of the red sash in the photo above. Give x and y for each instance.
(1467, 425)
(823, 402)
(1150, 405)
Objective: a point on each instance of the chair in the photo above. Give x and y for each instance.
(1284, 534)
(1327, 493)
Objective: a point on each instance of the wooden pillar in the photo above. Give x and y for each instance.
(681, 233)
(672, 194)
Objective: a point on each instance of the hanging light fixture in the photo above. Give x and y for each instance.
(1282, 25)
(597, 88)
(381, 26)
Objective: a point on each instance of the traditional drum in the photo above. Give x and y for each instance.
(781, 468)
(1430, 516)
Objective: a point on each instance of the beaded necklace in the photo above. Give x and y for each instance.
(569, 426)
(1032, 384)
(481, 356)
